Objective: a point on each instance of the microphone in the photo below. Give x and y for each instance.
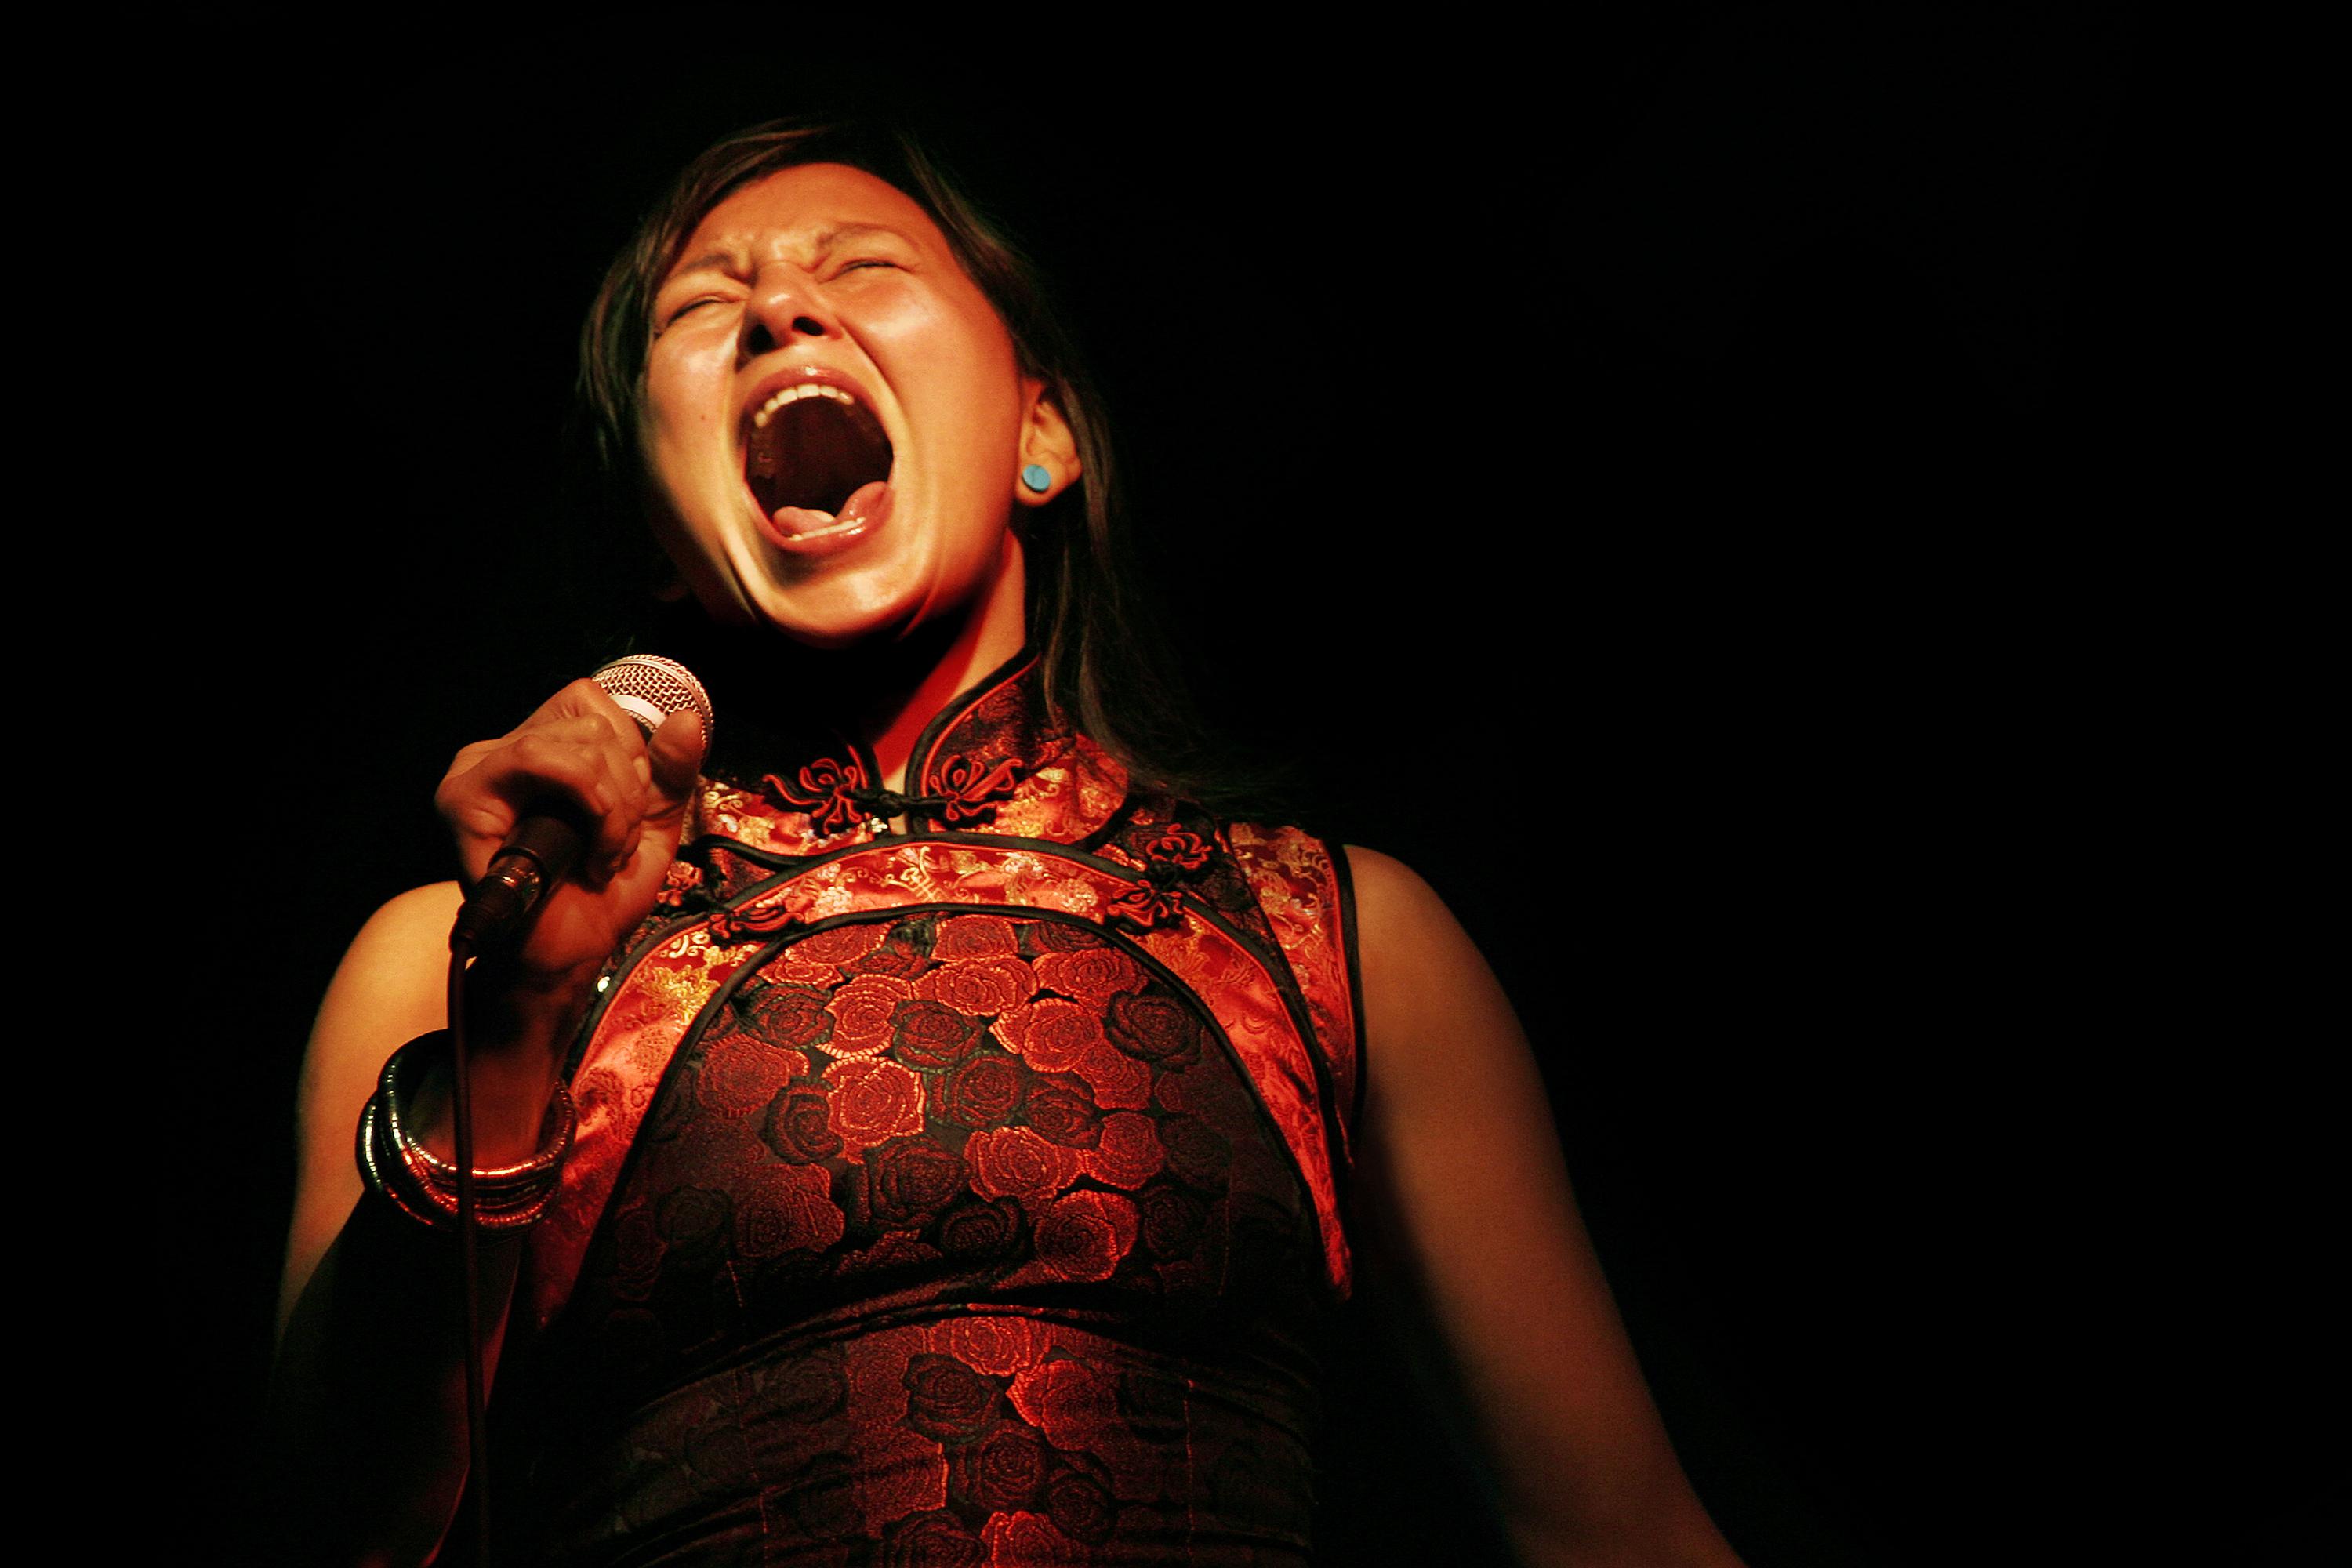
(542, 850)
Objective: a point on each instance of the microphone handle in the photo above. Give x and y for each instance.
(539, 853)
(542, 850)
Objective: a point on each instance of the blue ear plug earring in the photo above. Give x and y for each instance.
(1036, 478)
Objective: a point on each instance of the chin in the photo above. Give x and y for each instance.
(883, 592)
(838, 614)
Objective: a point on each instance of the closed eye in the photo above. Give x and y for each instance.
(683, 310)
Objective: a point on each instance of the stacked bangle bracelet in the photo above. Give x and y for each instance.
(423, 1186)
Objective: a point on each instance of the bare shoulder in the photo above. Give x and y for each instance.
(404, 941)
(1449, 1075)
(1385, 888)
(388, 989)
(1399, 916)
(1425, 984)
(389, 986)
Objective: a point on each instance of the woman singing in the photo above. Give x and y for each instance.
(932, 1131)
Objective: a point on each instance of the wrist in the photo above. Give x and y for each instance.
(512, 1102)
(405, 1152)
(514, 1011)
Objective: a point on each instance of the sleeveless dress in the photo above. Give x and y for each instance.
(958, 1181)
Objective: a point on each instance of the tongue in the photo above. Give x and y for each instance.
(863, 505)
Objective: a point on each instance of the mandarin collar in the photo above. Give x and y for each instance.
(998, 759)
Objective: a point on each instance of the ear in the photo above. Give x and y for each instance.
(1046, 443)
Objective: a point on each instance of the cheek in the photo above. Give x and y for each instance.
(682, 425)
(686, 386)
(961, 361)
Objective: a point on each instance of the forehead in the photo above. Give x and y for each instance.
(802, 206)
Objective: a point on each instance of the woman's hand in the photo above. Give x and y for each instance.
(582, 758)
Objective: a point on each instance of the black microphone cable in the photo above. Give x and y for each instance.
(537, 855)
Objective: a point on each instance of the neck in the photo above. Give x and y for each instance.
(885, 692)
(937, 665)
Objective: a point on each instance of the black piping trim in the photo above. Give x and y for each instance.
(1118, 822)
(926, 744)
(1110, 934)
(775, 860)
(1274, 960)
(779, 861)
(1276, 967)
(1275, 963)
(1346, 875)
(636, 955)
(799, 864)
(688, 1037)
(1337, 1135)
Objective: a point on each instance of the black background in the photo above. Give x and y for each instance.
(1740, 506)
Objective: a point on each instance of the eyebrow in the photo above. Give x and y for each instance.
(819, 243)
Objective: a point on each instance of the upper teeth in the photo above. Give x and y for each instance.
(793, 395)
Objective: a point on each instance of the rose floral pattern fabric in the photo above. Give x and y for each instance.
(944, 1218)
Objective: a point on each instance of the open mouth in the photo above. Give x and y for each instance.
(811, 451)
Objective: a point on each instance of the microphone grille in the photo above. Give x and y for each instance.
(649, 689)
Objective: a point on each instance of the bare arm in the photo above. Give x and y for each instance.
(1463, 1176)
(367, 1400)
(386, 991)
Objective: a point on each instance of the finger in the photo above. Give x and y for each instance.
(579, 755)
(674, 755)
(627, 778)
(582, 698)
(587, 782)
(584, 728)
(617, 829)
(585, 711)
(588, 729)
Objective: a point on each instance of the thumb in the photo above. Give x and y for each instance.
(673, 752)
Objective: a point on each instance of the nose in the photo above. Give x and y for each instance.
(786, 307)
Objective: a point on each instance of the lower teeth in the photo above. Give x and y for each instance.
(830, 526)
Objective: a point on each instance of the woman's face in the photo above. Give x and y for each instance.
(833, 417)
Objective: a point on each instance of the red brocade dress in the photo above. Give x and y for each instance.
(963, 1194)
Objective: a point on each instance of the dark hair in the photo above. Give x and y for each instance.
(1104, 663)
